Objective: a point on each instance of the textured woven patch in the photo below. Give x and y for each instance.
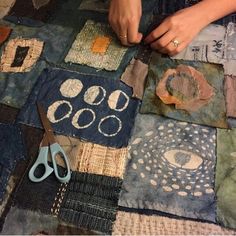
(81, 53)
(20, 55)
(90, 201)
(101, 44)
(4, 33)
(5, 6)
(139, 224)
(172, 164)
(93, 158)
(210, 97)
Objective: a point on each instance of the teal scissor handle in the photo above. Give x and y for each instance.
(41, 160)
(56, 149)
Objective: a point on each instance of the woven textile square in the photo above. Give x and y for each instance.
(81, 52)
(35, 48)
(171, 168)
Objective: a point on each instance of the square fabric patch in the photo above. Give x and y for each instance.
(12, 151)
(95, 5)
(85, 106)
(91, 202)
(4, 33)
(20, 55)
(186, 90)
(171, 168)
(81, 52)
(225, 177)
(92, 158)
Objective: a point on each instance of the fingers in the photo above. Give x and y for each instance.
(134, 37)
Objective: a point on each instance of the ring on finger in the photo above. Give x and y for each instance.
(175, 42)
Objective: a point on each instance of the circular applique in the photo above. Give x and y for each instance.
(94, 95)
(61, 108)
(86, 120)
(118, 100)
(110, 122)
(71, 88)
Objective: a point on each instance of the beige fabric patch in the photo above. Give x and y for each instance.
(137, 224)
(81, 52)
(5, 7)
(39, 3)
(8, 56)
(93, 158)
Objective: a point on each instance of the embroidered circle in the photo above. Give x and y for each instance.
(55, 107)
(111, 124)
(94, 95)
(77, 116)
(118, 100)
(71, 88)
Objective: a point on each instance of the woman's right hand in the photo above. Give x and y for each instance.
(124, 18)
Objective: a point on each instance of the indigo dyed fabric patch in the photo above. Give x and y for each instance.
(82, 51)
(92, 158)
(12, 151)
(39, 10)
(225, 177)
(85, 106)
(171, 168)
(91, 201)
(20, 55)
(186, 90)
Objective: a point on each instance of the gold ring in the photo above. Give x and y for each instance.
(175, 42)
(123, 36)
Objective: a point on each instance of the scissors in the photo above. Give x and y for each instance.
(49, 144)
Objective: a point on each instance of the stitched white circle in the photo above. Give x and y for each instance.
(92, 93)
(108, 117)
(53, 108)
(71, 88)
(77, 115)
(114, 98)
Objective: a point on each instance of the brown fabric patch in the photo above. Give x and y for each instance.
(5, 6)
(135, 77)
(93, 158)
(39, 3)
(8, 114)
(10, 53)
(4, 33)
(179, 93)
(137, 224)
(100, 44)
(230, 94)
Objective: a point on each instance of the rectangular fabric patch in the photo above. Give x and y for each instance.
(4, 33)
(208, 46)
(12, 151)
(81, 51)
(186, 90)
(92, 158)
(139, 224)
(100, 44)
(171, 168)
(84, 106)
(95, 5)
(91, 201)
(230, 48)
(16, 60)
(225, 177)
(135, 77)
(5, 6)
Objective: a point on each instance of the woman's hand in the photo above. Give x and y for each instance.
(177, 31)
(124, 18)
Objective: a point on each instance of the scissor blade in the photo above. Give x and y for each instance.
(46, 123)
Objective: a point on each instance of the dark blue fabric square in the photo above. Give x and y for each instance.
(89, 107)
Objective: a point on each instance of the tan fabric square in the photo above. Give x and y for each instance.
(93, 158)
(5, 7)
(101, 44)
(35, 49)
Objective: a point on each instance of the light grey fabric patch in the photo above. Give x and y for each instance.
(230, 49)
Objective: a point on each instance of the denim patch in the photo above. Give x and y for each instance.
(85, 106)
(171, 168)
(81, 51)
(90, 201)
(166, 95)
(12, 151)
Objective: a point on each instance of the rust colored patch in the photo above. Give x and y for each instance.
(100, 44)
(4, 33)
(181, 93)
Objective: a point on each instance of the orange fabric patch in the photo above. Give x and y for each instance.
(4, 33)
(100, 44)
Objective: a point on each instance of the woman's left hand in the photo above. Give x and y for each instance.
(177, 31)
